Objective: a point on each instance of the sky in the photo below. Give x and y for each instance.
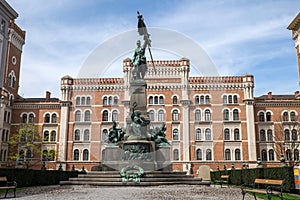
(239, 36)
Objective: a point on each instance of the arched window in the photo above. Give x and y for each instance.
(77, 116)
(82, 100)
(53, 136)
(207, 115)
(88, 101)
(161, 100)
(28, 154)
(115, 115)
(198, 154)
(207, 134)
(207, 99)
(110, 102)
(116, 101)
(175, 100)
(51, 155)
(270, 135)
(294, 135)
(264, 155)
(235, 114)
(236, 134)
(77, 101)
(46, 136)
(103, 156)
(161, 116)
(197, 115)
(151, 100)
(175, 134)
(21, 155)
(24, 118)
(45, 155)
(230, 99)
(208, 154)
(201, 99)
(175, 115)
(261, 117)
(271, 155)
(151, 115)
(175, 154)
(77, 135)
(287, 135)
(288, 154)
(197, 100)
(105, 116)
(227, 154)
(226, 134)
(285, 116)
(104, 135)
(156, 100)
(85, 154)
(105, 102)
(293, 116)
(226, 114)
(225, 99)
(296, 155)
(235, 99)
(198, 134)
(31, 118)
(237, 154)
(54, 118)
(87, 116)
(269, 116)
(76, 154)
(262, 135)
(86, 135)
(47, 118)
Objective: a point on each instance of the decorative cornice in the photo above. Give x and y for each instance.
(36, 106)
(16, 39)
(277, 104)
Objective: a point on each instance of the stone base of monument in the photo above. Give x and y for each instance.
(149, 178)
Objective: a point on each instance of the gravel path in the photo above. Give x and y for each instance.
(173, 192)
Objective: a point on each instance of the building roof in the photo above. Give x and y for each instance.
(276, 97)
(295, 24)
(35, 100)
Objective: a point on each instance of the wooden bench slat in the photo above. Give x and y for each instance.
(268, 181)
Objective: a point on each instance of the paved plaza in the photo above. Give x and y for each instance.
(174, 192)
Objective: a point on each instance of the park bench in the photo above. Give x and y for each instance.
(273, 188)
(224, 179)
(5, 185)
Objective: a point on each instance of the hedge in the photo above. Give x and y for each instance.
(247, 176)
(29, 177)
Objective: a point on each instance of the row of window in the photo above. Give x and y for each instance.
(202, 99)
(86, 117)
(85, 154)
(27, 118)
(50, 118)
(237, 154)
(286, 116)
(86, 135)
(49, 137)
(109, 100)
(154, 100)
(83, 101)
(230, 99)
(288, 135)
(236, 134)
(48, 156)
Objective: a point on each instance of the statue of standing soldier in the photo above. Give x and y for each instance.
(139, 58)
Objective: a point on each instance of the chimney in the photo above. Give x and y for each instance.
(269, 95)
(48, 95)
(297, 95)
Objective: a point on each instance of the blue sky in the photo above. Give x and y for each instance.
(239, 36)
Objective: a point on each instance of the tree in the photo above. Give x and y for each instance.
(286, 138)
(25, 145)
